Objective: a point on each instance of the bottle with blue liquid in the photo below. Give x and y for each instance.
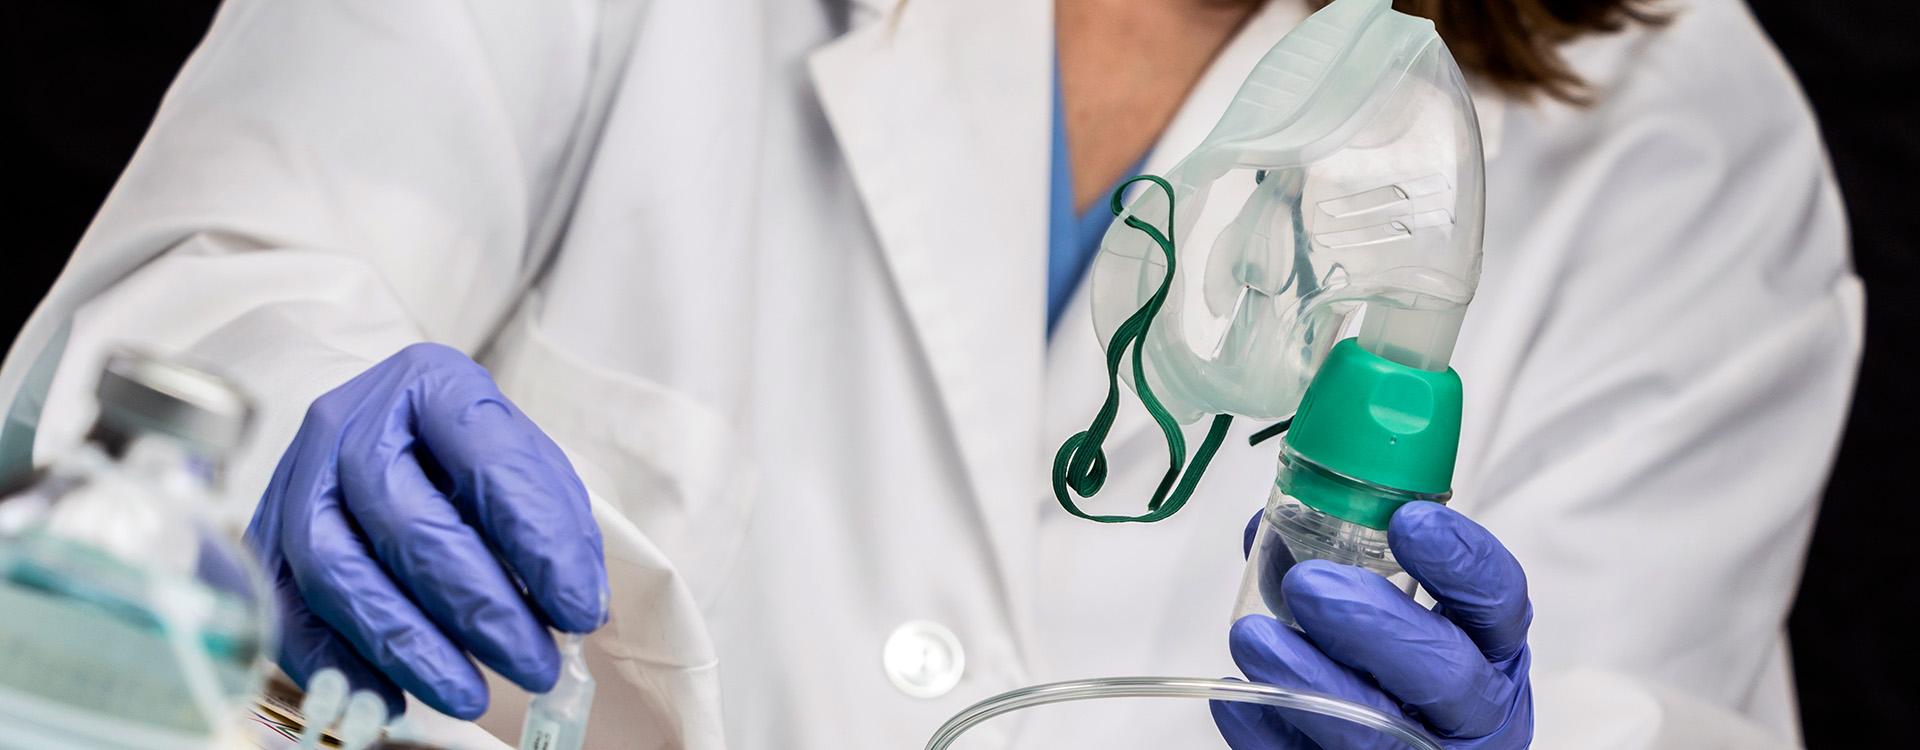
(131, 620)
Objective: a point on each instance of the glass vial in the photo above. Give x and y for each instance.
(557, 719)
(132, 619)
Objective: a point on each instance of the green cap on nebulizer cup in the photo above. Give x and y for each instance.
(1381, 419)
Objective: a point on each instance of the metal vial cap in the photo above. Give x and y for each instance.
(142, 392)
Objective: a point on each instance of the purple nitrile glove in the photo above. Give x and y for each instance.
(1459, 669)
(403, 521)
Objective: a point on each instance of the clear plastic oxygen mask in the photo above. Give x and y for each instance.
(1341, 186)
(1346, 175)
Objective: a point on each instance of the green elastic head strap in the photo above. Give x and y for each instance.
(1081, 465)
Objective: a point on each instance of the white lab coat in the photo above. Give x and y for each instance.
(792, 337)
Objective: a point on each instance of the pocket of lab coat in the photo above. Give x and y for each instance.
(668, 463)
(672, 499)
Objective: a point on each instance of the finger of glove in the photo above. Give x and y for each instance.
(1479, 584)
(439, 559)
(518, 488)
(345, 587)
(1269, 652)
(1417, 656)
(308, 645)
(1253, 530)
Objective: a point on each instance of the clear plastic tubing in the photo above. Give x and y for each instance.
(1178, 687)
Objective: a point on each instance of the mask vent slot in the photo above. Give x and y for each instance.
(1382, 198)
(1398, 228)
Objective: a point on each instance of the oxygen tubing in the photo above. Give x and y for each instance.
(1179, 687)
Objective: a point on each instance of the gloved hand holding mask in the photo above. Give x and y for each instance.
(402, 524)
(1460, 668)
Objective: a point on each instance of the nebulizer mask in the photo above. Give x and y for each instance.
(1340, 192)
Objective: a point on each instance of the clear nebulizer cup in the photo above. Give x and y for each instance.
(1378, 428)
(1291, 532)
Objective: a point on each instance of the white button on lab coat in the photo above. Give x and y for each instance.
(792, 337)
(924, 659)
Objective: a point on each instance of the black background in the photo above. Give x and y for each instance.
(82, 79)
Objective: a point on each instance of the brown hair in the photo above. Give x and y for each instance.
(1515, 44)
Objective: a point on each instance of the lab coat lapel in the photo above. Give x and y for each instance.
(1076, 365)
(942, 110)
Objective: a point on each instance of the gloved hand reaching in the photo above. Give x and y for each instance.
(1460, 669)
(398, 521)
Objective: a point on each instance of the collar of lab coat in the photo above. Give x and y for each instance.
(941, 109)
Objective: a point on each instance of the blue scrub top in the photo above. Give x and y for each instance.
(1072, 238)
